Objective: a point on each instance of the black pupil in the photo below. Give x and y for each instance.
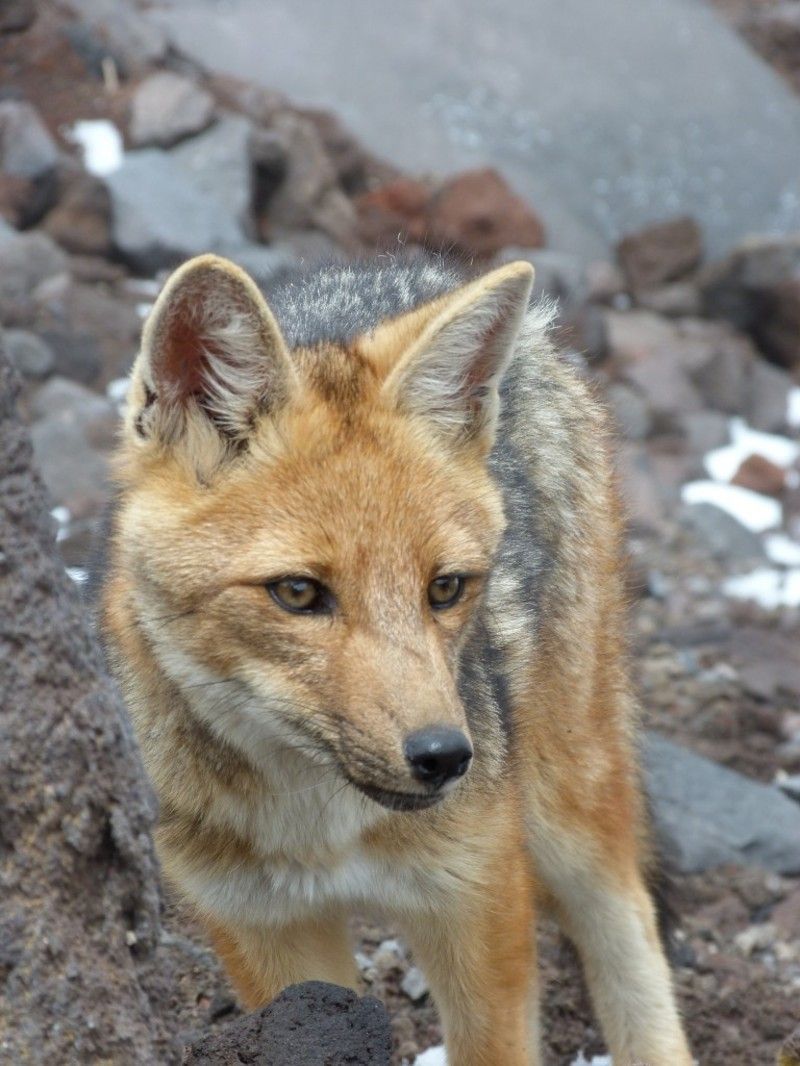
(302, 592)
(445, 589)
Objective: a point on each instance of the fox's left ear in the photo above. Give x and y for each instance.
(452, 372)
(212, 356)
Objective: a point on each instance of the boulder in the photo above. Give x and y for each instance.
(478, 213)
(120, 30)
(160, 217)
(167, 108)
(81, 220)
(26, 260)
(28, 159)
(307, 1025)
(721, 533)
(79, 923)
(73, 434)
(661, 253)
(395, 209)
(29, 354)
(707, 815)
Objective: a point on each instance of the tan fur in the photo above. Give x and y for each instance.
(248, 716)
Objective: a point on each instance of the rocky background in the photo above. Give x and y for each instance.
(119, 158)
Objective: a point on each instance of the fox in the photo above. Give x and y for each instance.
(365, 601)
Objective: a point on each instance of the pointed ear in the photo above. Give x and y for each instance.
(452, 372)
(212, 348)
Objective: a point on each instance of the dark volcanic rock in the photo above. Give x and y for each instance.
(660, 253)
(79, 919)
(312, 1024)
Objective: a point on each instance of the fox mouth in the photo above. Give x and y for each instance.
(396, 801)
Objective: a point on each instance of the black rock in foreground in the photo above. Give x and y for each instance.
(311, 1024)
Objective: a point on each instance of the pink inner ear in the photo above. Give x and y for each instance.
(483, 366)
(182, 360)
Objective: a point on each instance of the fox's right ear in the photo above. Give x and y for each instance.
(212, 356)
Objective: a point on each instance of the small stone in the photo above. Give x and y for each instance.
(167, 108)
(29, 353)
(756, 938)
(761, 475)
(26, 148)
(16, 15)
(414, 984)
(660, 253)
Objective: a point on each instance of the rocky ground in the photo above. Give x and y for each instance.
(118, 158)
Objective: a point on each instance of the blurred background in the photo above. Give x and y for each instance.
(644, 155)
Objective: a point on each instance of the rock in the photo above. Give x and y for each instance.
(73, 790)
(26, 148)
(394, 210)
(703, 430)
(260, 261)
(679, 299)
(660, 253)
(307, 1025)
(789, 1054)
(768, 664)
(757, 288)
(309, 196)
(761, 475)
(81, 220)
(31, 356)
(160, 218)
(166, 108)
(630, 410)
(133, 41)
(725, 538)
(217, 164)
(642, 501)
(768, 387)
(414, 984)
(709, 816)
(26, 260)
(477, 213)
(72, 437)
(605, 282)
(16, 15)
(356, 169)
(790, 786)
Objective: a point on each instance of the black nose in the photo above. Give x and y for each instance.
(438, 754)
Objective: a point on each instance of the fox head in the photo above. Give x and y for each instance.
(306, 533)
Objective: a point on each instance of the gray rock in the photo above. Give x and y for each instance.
(723, 535)
(133, 40)
(790, 786)
(217, 164)
(307, 1025)
(32, 357)
(26, 260)
(708, 815)
(160, 217)
(166, 108)
(26, 148)
(631, 411)
(660, 253)
(72, 437)
(16, 15)
(676, 300)
(704, 430)
(767, 393)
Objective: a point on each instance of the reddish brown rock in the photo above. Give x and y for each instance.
(81, 220)
(760, 475)
(397, 208)
(661, 253)
(478, 213)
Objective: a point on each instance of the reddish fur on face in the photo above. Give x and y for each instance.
(252, 720)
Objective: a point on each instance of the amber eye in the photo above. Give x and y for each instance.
(301, 595)
(446, 590)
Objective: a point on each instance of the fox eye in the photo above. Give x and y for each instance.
(300, 595)
(446, 590)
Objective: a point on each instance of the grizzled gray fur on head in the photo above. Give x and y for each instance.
(335, 302)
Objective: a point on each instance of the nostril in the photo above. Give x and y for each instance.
(438, 754)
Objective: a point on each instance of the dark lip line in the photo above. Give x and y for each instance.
(396, 801)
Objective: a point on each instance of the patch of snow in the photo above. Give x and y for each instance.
(434, 1056)
(117, 390)
(782, 550)
(144, 309)
(766, 586)
(722, 463)
(793, 407)
(143, 286)
(78, 574)
(101, 144)
(595, 1060)
(61, 515)
(755, 511)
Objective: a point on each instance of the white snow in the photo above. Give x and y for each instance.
(61, 515)
(782, 550)
(101, 144)
(144, 309)
(758, 513)
(793, 407)
(434, 1056)
(766, 586)
(595, 1060)
(117, 390)
(722, 463)
(78, 574)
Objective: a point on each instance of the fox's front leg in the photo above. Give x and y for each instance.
(477, 949)
(261, 960)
